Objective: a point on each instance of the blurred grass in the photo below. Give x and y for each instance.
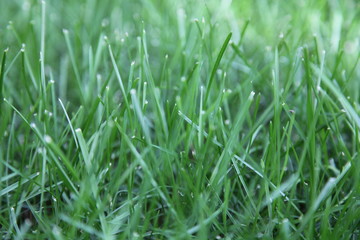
(153, 119)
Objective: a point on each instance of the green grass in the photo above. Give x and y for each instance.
(152, 119)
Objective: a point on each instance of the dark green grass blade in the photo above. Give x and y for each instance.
(2, 74)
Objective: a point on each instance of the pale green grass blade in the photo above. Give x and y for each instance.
(69, 122)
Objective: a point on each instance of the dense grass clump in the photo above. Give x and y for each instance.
(151, 119)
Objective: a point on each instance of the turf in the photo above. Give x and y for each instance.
(151, 119)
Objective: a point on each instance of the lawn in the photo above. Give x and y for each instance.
(179, 119)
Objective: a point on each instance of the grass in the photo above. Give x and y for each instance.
(152, 119)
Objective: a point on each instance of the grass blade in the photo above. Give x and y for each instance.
(215, 67)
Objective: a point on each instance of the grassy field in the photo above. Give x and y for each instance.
(153, 119)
